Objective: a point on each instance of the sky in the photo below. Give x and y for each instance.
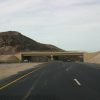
(69, 24)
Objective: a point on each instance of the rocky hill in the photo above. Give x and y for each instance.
(12, 42)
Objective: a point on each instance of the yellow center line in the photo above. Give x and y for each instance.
(18, 79)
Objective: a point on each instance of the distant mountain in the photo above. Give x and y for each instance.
(12, 42)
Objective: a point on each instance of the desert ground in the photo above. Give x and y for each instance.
(92, 57)
(7, 70)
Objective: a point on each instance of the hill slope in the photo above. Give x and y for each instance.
(12, 42)
(95, 59)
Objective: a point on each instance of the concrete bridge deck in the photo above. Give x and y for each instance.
(69, 56)
(51, 53)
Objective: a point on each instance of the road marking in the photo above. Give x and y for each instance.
(78, 83)
(67, 69)
(28, 93)
(18, 79)
(32, 88)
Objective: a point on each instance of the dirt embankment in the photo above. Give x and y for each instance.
(92, 57)
(7, 70)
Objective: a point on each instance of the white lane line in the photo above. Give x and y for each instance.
(78, 83)
(33, 87)
(67, 69)
(28, 93)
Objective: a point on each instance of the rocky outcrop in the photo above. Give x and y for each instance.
(12, 42)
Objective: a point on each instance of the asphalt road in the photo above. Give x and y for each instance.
(57, 81)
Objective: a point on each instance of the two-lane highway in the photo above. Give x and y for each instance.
(56, 81)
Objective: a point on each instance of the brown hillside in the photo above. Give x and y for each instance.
(12, 42)
(95, 59)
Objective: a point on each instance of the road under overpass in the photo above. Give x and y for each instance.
(48, 56)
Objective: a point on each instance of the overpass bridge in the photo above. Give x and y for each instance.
(47, 56)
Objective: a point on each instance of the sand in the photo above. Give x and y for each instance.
(95, 59)
(7, 70)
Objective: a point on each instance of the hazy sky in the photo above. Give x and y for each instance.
(68, 24)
